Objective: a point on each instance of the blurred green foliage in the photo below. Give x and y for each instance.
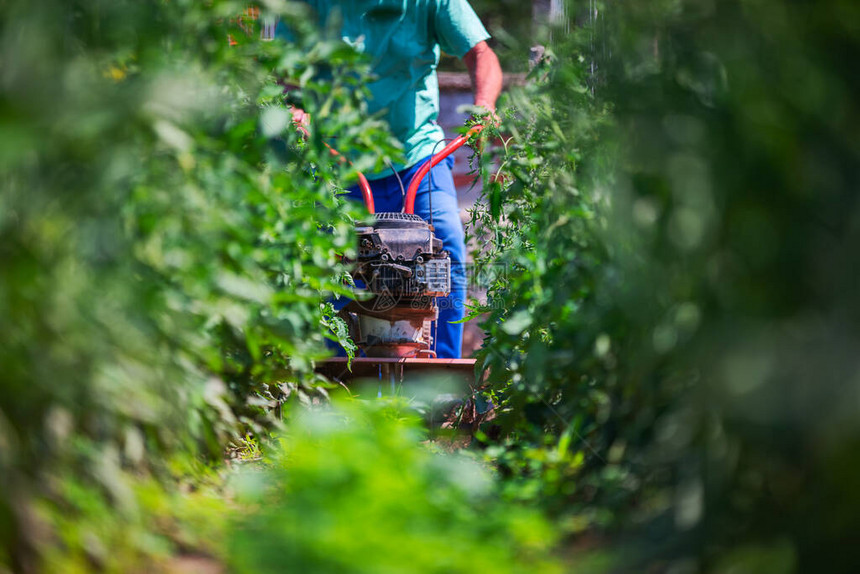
(167, 246)
(351, 490)
(673, 335)
(145, 533)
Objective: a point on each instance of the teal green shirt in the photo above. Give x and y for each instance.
(404, 39)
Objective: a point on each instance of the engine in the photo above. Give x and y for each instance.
(402, 268)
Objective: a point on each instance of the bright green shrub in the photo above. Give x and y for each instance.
(352, 490)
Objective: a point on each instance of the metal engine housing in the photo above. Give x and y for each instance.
(402, 265)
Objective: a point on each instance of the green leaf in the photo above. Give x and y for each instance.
(274, 120)
(517, 323)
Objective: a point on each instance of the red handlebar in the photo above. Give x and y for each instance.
(409, 205)
(366, 193)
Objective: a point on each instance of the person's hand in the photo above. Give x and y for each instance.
(486, 115)
(301, 120)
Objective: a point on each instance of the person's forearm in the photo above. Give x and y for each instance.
(486, 74)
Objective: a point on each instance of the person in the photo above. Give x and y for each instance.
(404, 39)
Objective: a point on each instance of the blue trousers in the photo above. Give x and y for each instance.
(388, 197)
